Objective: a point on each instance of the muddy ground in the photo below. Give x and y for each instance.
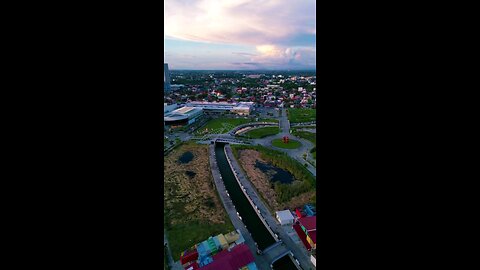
(261, 181)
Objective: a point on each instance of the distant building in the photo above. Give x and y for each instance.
(182, 117)
(166, 78)
(241, 108)
(169, 108)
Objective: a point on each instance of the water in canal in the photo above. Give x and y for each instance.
(254, 225)
(284, 263)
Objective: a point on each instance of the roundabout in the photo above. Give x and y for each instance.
(286, 144)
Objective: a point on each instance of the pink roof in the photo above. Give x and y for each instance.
(238, 257)
(310, 223)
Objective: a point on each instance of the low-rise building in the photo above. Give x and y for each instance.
(285, 217)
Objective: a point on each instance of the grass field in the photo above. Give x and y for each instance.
(267, 120)
(292, 144)
(223, 125)
(308, 136)
(193, 210)
(301, 115)
(262, 132)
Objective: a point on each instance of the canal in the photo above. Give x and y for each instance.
(284, 263)
(254, 225)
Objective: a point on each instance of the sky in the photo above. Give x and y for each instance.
(240, 34)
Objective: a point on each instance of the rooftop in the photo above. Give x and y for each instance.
(284, 215)
(238, 257)
(310, 223)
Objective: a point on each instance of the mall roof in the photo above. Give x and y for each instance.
(182, 113)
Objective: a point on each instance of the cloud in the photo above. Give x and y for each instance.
(250, 22)
(276, 55)
(243, 54)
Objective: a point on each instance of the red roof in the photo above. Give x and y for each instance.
(238, 257)
(189, 256)
(313, 236)
(310, 223)
(302, 236)
(299, 214)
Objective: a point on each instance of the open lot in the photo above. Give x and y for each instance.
(292, 144)
(301, 115)
(193, 210)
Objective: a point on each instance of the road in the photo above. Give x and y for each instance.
(300, 254)
(297, 153)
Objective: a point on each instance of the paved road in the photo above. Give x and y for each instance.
(300, 254)
(294, 153)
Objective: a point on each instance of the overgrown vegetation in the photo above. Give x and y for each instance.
(305, 181)
(193, 210)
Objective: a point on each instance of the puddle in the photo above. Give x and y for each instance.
(186, 157)
(276, 174)
(190, 174)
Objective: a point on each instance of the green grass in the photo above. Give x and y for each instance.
(308, 136)
(262, 132)
(185, 235)
(292, 144)
(267, 120)
(223, 125)
(301, 115)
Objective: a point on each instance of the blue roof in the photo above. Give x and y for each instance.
(252, 266)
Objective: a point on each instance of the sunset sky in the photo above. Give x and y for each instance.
(240, 34)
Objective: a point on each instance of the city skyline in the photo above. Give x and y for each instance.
(240, 35)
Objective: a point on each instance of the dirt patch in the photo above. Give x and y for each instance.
(261, 181)
(189, 189)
